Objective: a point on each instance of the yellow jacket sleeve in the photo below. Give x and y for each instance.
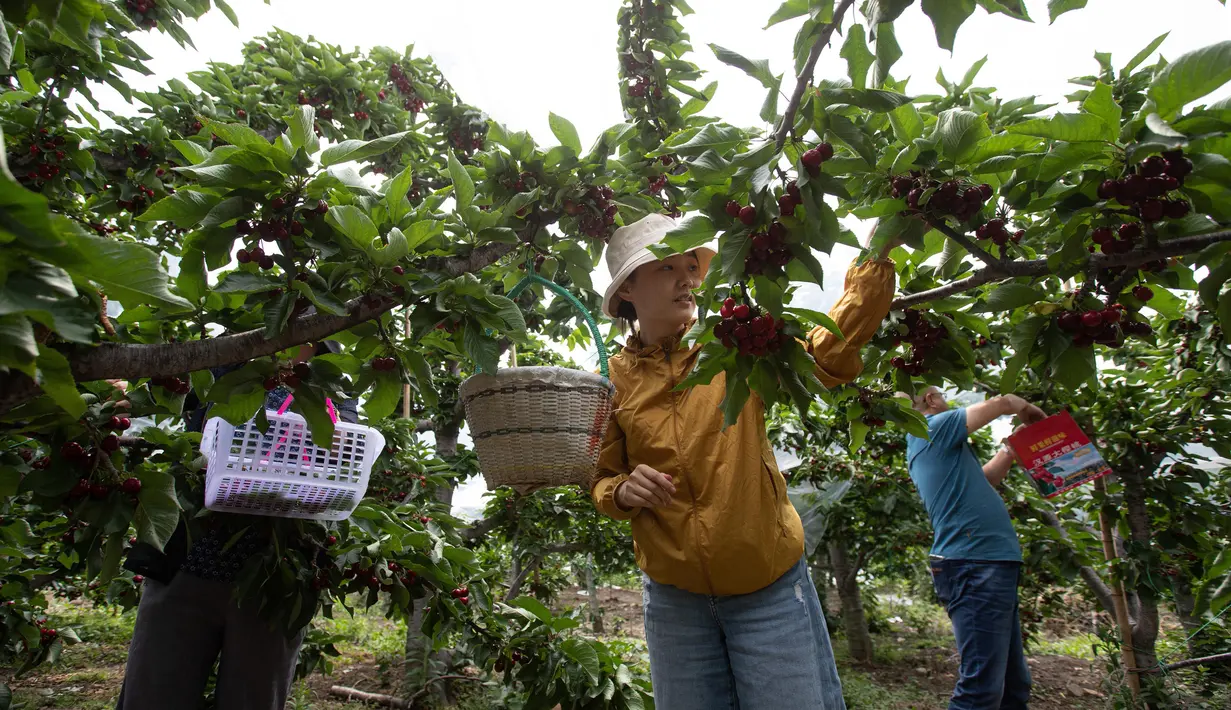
(864, 304)
(612, 471)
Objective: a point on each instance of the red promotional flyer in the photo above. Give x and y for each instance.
(1058, 455)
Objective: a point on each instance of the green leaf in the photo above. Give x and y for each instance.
(423, 377)
(959, 131)
(158, 509)
(947, 16)
(1071, 127)
(535, 607)
(361, 150)
(714, 136)
(565, 132)
(693, 232)
(463, 185)
(788, 10)
(886, 11)
(1100, 102)
(871, 99)
(1022, 341)
(391, 253)
(757, 69)
(1190, 77)
(858, 434)
(247, 282)
(1143, 54)
(1074, 367)
(126, 271)
(278, 313)
(735, 399)
(193, 152)
(858, 57)
(853, 136)
(1056, 8)
(191, 280)
(384, 396)
(481, 349)
(185, 208)
(55, 377)
(226, 10)
(311, 406)
(888, 52)
(907, 123)
(354, 223)
(302, 122)
(1009, 296)
(1013, 8)
(584, 655)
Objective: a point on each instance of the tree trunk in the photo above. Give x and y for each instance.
(418, 646)
(858, 640)
(1185, 604)
(596, 612)
(1145, 623)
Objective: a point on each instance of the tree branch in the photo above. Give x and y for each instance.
(479, 529)
(1182, 246)
(804, 80)
(966, 243)
(123, 361)
(1220, 658)
(1088, 573)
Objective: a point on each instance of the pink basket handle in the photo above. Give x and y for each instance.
(333, 414)
(286, 403)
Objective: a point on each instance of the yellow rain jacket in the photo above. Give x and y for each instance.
(730, 528)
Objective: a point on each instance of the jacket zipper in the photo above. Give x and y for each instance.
(679, 446)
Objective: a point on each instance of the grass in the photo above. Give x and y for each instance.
(1079, 646)
(862, 692)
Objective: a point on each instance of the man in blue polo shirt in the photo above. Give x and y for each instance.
(976, 559)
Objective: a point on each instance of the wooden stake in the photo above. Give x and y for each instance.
(1127, 656)
(406, 387)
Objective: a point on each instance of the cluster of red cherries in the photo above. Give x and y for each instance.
(950, 198)
(1108, 326)
(280, 225)
(595, 212)
(175, 385)
(44, 159)
(790, 199)
(747, 329)
(413, 102)
(142, 12)
(769, 248)
(137, 203)
(384, 364)
(1146, 188)
(643, 79)
(813, 158)
(292, 377)
(514, 658)
(923, 336)
(997, 230)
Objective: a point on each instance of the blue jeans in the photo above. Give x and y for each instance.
(981, 598)
(760, 651)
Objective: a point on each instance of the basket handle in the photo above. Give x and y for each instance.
(533, 278)
(286, 403)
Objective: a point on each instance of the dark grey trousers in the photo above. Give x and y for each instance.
(180, 631)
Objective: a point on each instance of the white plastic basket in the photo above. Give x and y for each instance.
(282, 473)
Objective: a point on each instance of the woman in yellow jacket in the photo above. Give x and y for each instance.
(732, 619)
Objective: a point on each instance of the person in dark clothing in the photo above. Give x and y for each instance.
(189, 618)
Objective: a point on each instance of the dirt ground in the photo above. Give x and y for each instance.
(1060, 682)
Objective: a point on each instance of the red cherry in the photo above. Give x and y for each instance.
(277, 204)
(1107, 190)
(1151, 210)
(124, 423)
(1176, 209)
(1112, 315)
(812, 160)
(399, 270)
(1143, 293)
(131, 485)
(270, 384)
(742, 311)
(748, 215)
(826, 151)
(110, 442)
(1103, 235)
(322, 207)
(1130, 231)
(1092, 320)
(242, 256)
(1070, 322)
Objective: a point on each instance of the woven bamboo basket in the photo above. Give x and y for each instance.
(538, 427)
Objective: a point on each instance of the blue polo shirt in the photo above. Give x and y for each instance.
(968, 516)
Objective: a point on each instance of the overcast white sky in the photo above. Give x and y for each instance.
(520, 60)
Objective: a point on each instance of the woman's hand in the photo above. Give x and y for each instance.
(645, 488)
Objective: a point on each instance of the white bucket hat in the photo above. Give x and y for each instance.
(629, 248)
